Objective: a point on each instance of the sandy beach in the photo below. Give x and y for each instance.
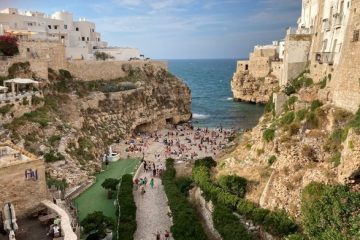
(182, 142)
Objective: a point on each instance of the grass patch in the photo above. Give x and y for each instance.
(269, 134)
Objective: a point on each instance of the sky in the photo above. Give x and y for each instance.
(180, 29)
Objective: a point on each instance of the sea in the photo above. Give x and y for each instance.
(212, 102)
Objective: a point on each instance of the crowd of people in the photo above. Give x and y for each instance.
(183, 142)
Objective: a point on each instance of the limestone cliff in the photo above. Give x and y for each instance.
(79, 119)
(247, 88)
(309, 140)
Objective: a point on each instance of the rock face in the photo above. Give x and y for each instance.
(247, 88)
(80, 119)
(285, 152)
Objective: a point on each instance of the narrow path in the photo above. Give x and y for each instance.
(152, 210)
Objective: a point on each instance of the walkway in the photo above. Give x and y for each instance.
(152, 210)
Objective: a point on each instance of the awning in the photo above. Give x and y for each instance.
(21, 81)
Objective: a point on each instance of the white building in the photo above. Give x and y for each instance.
(79, 37)
(334, 22)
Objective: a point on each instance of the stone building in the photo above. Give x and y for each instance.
(22, 179)
(80, 38)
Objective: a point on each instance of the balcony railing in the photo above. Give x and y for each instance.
(325, 57)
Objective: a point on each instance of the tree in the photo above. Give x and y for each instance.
(8, 45)
(110, 184)
(96, 224)
(102, 56)
(234, 184)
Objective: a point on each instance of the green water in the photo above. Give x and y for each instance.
(95, 198)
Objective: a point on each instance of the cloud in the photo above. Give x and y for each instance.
(154, 4)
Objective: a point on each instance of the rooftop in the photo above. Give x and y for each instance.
(10, 154)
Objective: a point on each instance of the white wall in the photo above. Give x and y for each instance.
(121, 54)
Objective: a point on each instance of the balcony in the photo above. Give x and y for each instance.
(325, 57)
(338, 18)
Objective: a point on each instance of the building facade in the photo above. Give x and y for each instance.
(22, 179)
(80, 38)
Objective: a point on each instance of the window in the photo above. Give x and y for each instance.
(49, 26)
(29, 24)
(93, 30)
(98, 39)
(77, 29)
(356, 35)
(28, 49)
(65, 26)
(55, 27)
(325, 45)
(62, 37)
(83, 38)
(87, 39)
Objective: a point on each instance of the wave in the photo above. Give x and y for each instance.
(200, 116)
(229, 99)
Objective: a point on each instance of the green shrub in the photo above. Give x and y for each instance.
(269, 134)
(228, 225)
(312, 122)
(208, 162)
(330, 212)
(40, 116)
(315, 104)
(58, 184)
(5, 109)
(296, 84)
(300, 115)
(272, 160)
(127, 222)
(288, 118)
(102, 56)
(186, 224)
(336, 159)
(233, 184)
(97, 223)
(53, 156)
(184, 184)
(54, 139)
(270, 105)
(110, 184)
(276, 223)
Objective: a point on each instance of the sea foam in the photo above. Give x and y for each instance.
(200, 116)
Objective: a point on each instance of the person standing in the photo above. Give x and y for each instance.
(167, 235)
(152, 182)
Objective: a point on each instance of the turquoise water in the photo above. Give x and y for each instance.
(212, 104)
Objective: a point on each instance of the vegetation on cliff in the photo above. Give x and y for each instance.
(276, 223)
(330, 212)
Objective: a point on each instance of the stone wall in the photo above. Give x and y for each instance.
(19, 106)
(276, 68)
(345, 84)
(24, 194)
(89, 70)
(295, 57)
(259, 66)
